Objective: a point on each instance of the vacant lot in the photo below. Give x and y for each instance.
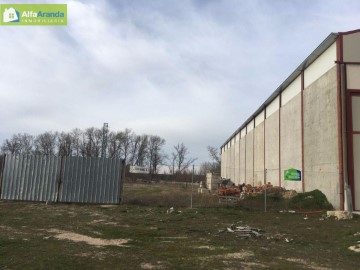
(143, 234)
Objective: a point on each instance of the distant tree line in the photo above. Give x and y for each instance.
(138, 150)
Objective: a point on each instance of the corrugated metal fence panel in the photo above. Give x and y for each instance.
(90, 180)
(30, 178)
(2, 163)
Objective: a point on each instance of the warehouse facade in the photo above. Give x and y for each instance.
(311, 123)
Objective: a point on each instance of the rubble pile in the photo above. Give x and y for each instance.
(248, 190)
(243, 231)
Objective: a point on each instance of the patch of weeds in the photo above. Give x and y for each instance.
(313, 200)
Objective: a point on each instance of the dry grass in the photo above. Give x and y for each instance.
(140, 234)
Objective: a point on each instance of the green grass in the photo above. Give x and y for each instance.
(185, 239)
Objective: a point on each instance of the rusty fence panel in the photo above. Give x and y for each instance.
(30, 178)
(61, 179)
(92, 180)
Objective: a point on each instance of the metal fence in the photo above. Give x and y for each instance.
(61, 179)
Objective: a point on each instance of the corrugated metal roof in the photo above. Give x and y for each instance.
(307, 62)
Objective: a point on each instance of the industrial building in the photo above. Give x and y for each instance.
(311, 123)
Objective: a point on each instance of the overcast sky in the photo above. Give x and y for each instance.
(188, 71)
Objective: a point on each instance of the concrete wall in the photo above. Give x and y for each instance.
(321, 162)
(237, 159)
(232, 160)
(242, 160)
(318, 141)
(272, 148)
(290, 138)
(249, 175)
(223, 162)
(259, 154)
(228, 161)
(222, 173)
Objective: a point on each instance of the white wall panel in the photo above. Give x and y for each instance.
(320, 66)
(353, 76)
(260, 118)
(355, 113)
(232, 161)
(351, 45)
(250, 126)
(243, 132)
(291, 91)
(357, 171)
(272, 107)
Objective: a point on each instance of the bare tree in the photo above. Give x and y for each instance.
(120, 144)
(139, 149)
(125, 140)
(214, 154)
(65, 144)
(182, 160)
(76, 137)
(155, 155)
(207, 166)
(21, 143)
(91, 142)
(113, 145)
(171, 163)
(215, 165)
(45, 143)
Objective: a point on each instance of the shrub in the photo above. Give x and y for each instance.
(313, 200)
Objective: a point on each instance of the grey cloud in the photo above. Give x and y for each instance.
(189, 71)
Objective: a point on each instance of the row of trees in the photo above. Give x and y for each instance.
(140, 150)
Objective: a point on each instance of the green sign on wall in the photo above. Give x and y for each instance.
(292, 175)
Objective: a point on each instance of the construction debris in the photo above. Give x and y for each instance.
(340, 215)
(287, 211)
(243, 231)
(228, 188)
(355, 248)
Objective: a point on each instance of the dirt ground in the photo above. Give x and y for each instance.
(139, 236)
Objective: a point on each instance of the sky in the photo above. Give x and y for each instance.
(190, 71)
